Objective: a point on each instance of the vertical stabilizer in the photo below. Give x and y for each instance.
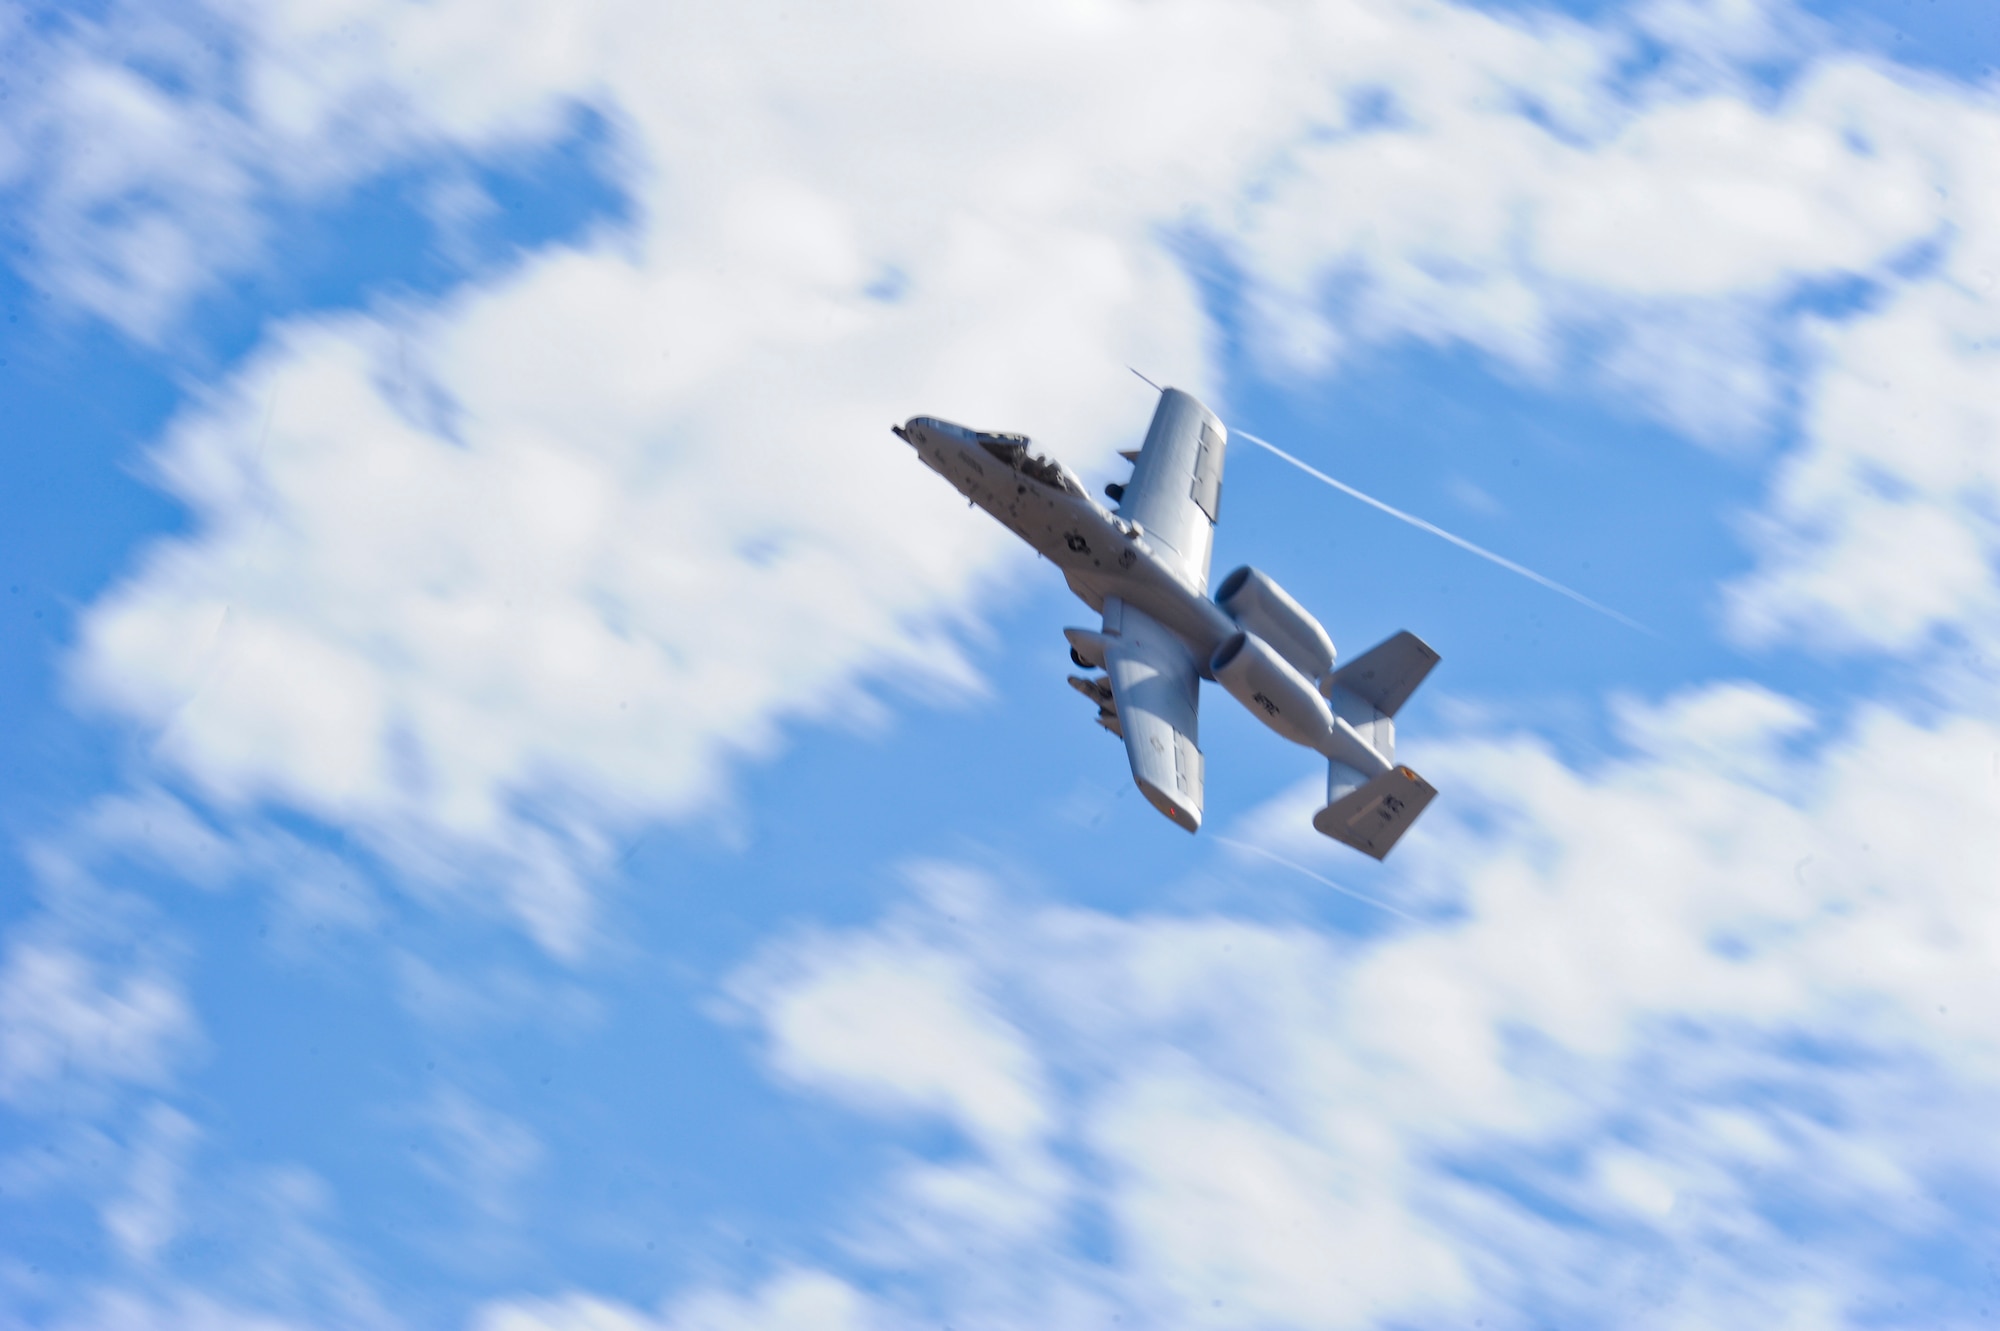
(1386, 674)
(1368, 691)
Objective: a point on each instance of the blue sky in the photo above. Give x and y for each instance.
(525, 808)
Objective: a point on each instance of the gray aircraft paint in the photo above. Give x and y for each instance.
(1145, 569)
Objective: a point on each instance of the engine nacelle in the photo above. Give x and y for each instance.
(1278, 695)
(1262, 680)
(1264, 608)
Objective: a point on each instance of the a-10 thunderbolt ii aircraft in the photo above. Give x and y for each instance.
(1144, 567)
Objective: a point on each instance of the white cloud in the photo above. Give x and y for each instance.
(1663, 233)
(1217, 1201)
(1738, 728)
(481, 649)
(494, 576)
(1718, 34)
(69, 1022)
(1673, 998)
(461, 998)
(479, 1152)
(148, 145)
(897, 1023)
(789, 1300)
(1889, 528)
(283, 1233)
(487, 580)
(902, 1024)
(229, 1247)
(175, 1310)
(313, 889)
(146, 1216)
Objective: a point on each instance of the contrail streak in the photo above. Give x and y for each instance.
(1300, 868)
(1435, 530)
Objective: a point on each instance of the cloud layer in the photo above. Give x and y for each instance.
(1689, 1039)
(488, 579)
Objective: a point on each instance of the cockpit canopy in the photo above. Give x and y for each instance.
(1014, 450)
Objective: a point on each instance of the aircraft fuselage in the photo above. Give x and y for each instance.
(1101, 555)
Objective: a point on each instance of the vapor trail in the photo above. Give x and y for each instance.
(1435, 530)
(1318, 878)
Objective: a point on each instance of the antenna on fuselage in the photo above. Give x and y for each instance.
(1143, 379)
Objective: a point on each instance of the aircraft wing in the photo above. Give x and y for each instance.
(1154, 683)
(1176, 488)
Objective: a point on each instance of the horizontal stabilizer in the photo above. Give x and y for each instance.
(1386, 674)
(1372, 817)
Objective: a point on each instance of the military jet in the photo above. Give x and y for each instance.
(1144, 567)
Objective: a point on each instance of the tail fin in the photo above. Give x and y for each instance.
(1386, 674)
(1368, 691)
(1372, 816)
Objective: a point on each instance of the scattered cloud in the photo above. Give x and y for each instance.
(1812, 264)
(488, 580)
(235, 1246)
(1886, 532)
(147, 1215)
(71, 1023)
(459, 998)
(792, 1299)
(1472, 497)
(1697, 1002)
(176, 1310)
(1685, 1037)
(824, 1007)
(478, 1152)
